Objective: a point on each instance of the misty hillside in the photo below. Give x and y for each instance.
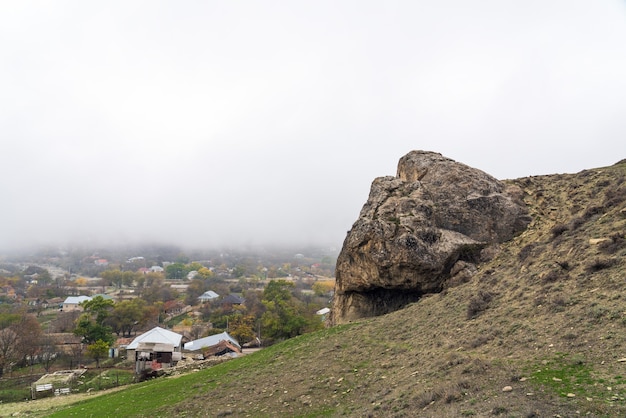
(539, 331)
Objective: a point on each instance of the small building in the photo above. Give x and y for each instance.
(155, 356)
(208, 296)
(214, 345)
(155, 349)
(233, 300)
(72, 303)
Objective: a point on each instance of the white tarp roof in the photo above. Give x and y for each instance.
(210, 341)
(156, 335)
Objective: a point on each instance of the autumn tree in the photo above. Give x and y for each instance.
(29, 338)
(20, 335)
(126, 316)
(196, 288)
(241, 327)
(285, 316)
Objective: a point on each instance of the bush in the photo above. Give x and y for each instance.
(576, 223)
(558, 230)
(599, 264)
(616, 243)
(525, 252)
(478, 303)
(614, 197)
(592, 211)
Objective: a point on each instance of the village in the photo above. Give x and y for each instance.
(138, 318)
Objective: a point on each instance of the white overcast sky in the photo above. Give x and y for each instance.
(216, 123)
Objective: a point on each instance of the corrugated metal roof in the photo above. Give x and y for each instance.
(76, 299)
(157, 335)
(210, 341)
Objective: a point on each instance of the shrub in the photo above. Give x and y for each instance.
(558, 230)
(576, 223)
(478, 303)
(616, 243)
(614, 197)
(525, 252)
(599, 264)
(551, 277)
(592, 211)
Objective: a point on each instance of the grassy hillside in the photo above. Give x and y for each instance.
(539, 330)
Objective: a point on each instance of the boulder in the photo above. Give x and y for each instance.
(415, 227)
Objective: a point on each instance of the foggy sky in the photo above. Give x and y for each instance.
(220, 123)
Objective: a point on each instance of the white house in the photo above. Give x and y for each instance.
(208, 296)
(72, 303)
(155, 349)
(157, 335)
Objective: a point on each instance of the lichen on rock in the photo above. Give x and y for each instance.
(415, 227)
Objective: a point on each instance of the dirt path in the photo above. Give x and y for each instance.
(41, 407)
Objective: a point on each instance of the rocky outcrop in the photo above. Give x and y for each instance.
(419, 229)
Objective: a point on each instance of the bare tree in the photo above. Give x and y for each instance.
(48, 352)
(29, 339)
(9, 353)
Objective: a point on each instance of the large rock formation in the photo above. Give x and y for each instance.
(417, 229)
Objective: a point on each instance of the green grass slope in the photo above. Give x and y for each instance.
(540, 330)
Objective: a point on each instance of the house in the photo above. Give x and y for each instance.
(156, 269)
(72, 303)
(214, 345)
(155, 349)
(233, 300)
(207, 296)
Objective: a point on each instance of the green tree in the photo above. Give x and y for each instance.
(97, 350)
(99, 308)
(284, 315)
(91, 331)
(176, 271)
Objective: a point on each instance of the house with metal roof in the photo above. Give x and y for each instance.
(155, 349)
(208, 296)
(157, 335)
(214, 345)
(233, 300)
(72, 303)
